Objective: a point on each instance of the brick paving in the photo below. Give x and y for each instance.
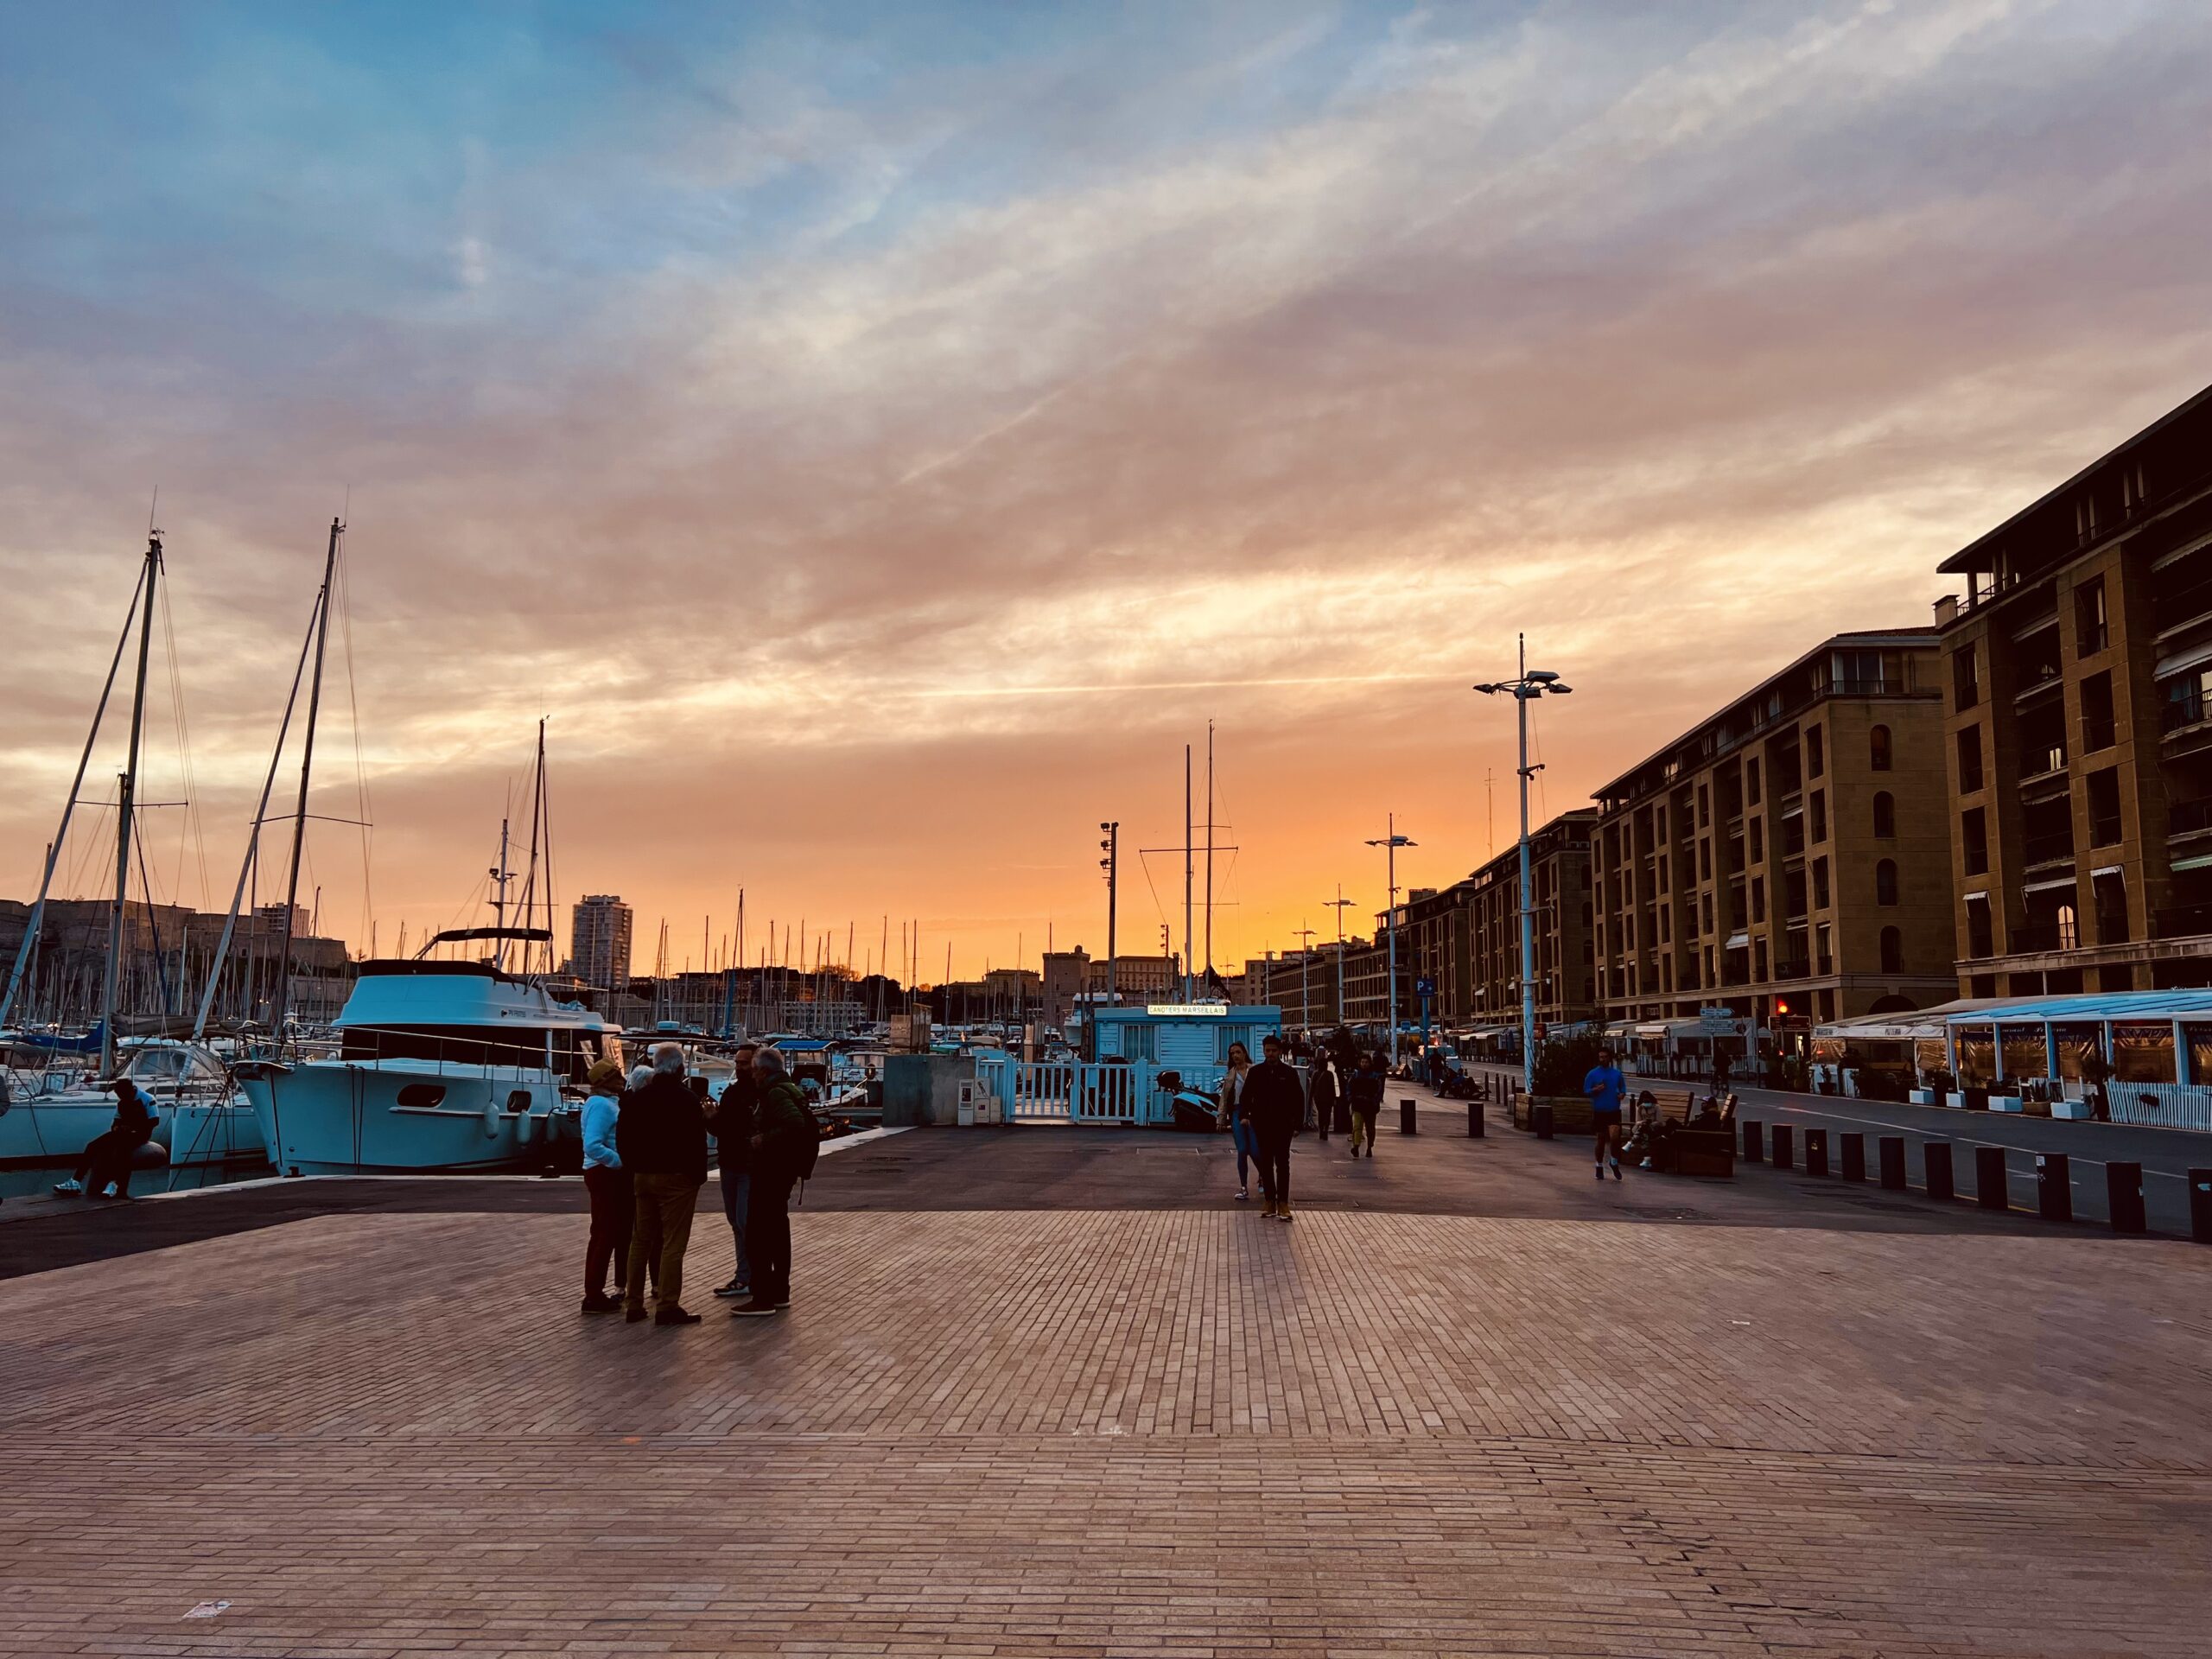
(1429, 1418)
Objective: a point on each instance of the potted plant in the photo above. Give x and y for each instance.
(1940, 1084)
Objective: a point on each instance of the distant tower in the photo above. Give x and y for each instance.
(599, 941)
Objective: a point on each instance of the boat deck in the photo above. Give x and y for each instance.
(1048, 1391)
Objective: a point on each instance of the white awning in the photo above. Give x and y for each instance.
(2188, 657)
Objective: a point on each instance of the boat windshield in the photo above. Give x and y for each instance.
(571, 1051)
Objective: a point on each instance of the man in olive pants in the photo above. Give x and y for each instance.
(662, 1137)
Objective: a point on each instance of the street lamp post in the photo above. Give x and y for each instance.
(1390, 843)
(1530, 684)
(1338, 905)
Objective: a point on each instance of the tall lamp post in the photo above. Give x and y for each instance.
(1111, 846)
(1390, 843)
(1530, 684)
(1338, 905)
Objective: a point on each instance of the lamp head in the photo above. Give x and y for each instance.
(1542, 676)
(1557, 689)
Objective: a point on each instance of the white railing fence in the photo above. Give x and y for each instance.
(2169, 1105)
(1065, 1091)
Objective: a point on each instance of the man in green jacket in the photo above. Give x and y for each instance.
(782, 1148)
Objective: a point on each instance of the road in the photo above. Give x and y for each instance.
(2165, 1154)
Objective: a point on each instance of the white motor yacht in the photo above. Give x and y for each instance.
(443, 1065)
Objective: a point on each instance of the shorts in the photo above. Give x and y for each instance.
(1604, 1120)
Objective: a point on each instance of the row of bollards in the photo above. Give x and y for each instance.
(1993, 1188)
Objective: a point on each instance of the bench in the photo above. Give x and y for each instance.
(1571, 1113)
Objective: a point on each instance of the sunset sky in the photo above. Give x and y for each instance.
(879, 438)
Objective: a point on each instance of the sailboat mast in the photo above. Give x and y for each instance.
(76, 788)
(1187, 872)
(126, 790)
(307, 772)
(1209, 847)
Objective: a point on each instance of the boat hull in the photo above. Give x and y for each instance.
(53, 1129)
(345, 1118)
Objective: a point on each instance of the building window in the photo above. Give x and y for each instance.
(2090, 632)
(1892, 950)
(1877, 748)
(1823, 949)
(1970, 759)
(1704, 816)
(1885, 816)
(1752, 781)
(1978, 934)
(2098, 729)
(1973, 839)
(1885, 882)
(1705, 909)
(1814, 754)
(2069, 931)
(2104, 807)
(1819, 817)
(1758, 899)
(1705, 861)
(1966, 683)
(1820, 884)
(1758, 842)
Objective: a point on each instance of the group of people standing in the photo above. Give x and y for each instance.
(1264, 1107)
(645, 1159)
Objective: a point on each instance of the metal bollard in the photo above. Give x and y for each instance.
(1785, 1152)
(2200, 1205)
(2054, 1186)
(1936, 1155)
(1891, 1150)
(1816, 1152)
(2124, 1198)
(1854, 1157)
(1989, 1188)
(1539, 1120)
(1474, 1120)
(1406, 1117)
(1754, 1142)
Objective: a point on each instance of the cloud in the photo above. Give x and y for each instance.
(801, 415)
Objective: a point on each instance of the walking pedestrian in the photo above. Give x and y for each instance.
(661, 1136)
(1324, 1092)
(106, 1157)
(1604, 1085)
(785, 1141)
(606, 1183)
(1366, 1089)
(731, 1122)
(1276, 1102)
(1231, 1108)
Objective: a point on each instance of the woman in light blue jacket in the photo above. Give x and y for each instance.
(613, 1205)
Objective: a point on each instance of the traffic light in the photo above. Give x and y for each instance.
(1782, 1008)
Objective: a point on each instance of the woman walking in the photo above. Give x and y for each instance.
(1323, 1093)
(1230, 1110)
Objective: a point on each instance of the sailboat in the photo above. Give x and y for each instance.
(49, 1114)
(444, 1065)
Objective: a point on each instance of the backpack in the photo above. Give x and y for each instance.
(803, 1157)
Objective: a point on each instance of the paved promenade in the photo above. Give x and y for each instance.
(1045, 1391)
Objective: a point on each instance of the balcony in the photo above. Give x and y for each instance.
(2185, 604)
(2042, 763)
(2052, 848)
(2044, 936)
(2183, 708)
(1793, 968)
(2189, 817)
(2182, 921)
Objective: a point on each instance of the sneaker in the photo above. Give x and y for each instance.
(782, 1302)
(1599, 1170)
(1242, 1197)
(71, 1188)
(675, 1316)
(1283, 1214)
(756, 1309)
(735, 1288)
(600, 1302)
(1616, 1169)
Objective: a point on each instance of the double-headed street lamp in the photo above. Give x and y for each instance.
(1391, 842)
(1338, 905)
(1531, 685)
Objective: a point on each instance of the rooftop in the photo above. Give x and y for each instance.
(1045, 1391)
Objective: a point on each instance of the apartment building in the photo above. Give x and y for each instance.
(599, 928)
(1485, 987)
(2078, 731)
(1789, 856)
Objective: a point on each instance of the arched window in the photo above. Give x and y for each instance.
(1878, 742)
(1885, 882)
(2070, 932)
(1892, 950)
(1885, 816)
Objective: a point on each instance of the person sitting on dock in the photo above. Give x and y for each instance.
(661, 1135)
(106, 1157)
(614, 1204)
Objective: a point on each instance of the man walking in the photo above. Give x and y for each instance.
(1365, 1091)
(1604, 1085)
(784, 1144)
(1275, 1102)
(731, 1121)
(661, 1136)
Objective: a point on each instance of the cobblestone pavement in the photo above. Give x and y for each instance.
(1125, 1429)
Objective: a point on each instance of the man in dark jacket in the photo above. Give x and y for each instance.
(731, 1120)
(662, 1137)
(783, 1144)
(1275, 1102)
